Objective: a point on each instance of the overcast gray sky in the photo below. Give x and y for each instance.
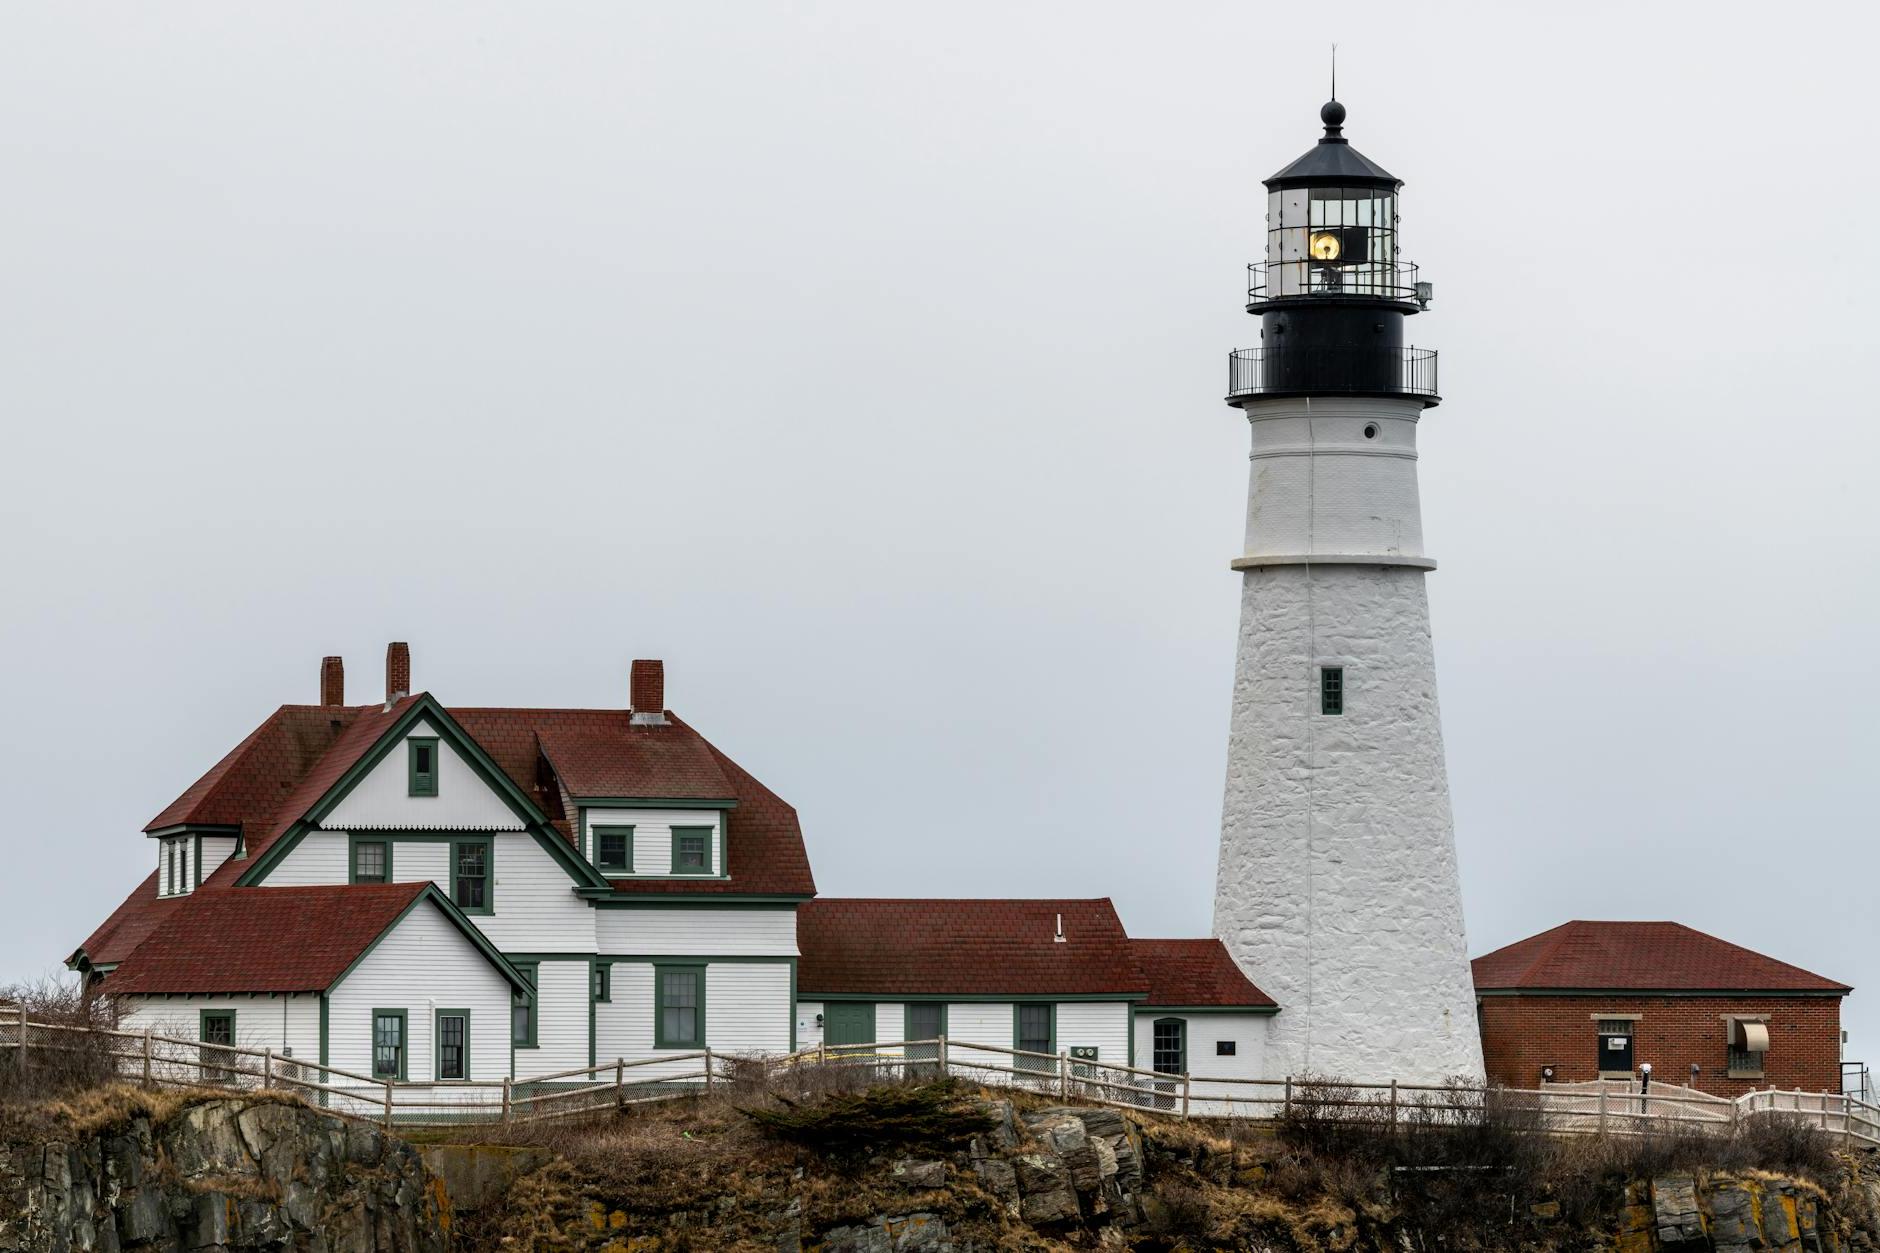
(864, 361)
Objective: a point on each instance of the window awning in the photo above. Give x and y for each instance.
(1751, 1037)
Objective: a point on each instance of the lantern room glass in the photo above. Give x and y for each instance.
(1332, 241)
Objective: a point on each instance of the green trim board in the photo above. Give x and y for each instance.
(610, 897)
(532, 971)
(661, 1038)
(218, 829)
(653, 802)
(404, 1042)
(1675, 993)
(437, 1045)
(603, 832)
(488, 845)
(196, 856)
(353, 840)
(421, 765)
(681, 837)
(1192, 1010)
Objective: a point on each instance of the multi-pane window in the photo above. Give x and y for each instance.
(613, 848)
(369, 862)
(603, 988)
(1033, 1034)
(522, 1008)
(421, 756)
(470, 876)
(453, 1045)
(1331, 689)
(218, 1028)
(691, 850)
(1748, 1043)
(681, 1008)
(1169, 1052)
(388, 1044)
(1615, 1045)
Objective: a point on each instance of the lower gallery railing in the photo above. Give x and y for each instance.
(1604, 1107)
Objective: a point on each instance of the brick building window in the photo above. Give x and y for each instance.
(1748, 1044)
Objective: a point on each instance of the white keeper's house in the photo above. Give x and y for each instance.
(433, 895)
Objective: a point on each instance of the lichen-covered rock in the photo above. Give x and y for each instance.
(1674, 1203)
(227, 1175)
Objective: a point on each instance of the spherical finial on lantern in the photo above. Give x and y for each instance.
(1333, 115)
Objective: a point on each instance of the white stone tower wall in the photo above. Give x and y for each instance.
(1337, 888)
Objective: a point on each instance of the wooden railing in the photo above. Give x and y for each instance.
(1607, 1107)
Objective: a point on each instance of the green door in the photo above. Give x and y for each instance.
(849, 1022)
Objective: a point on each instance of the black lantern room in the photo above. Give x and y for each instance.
(1332, 293)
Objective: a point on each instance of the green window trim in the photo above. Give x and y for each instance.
(1181, 1059)
(527, 1037)
(1332, 690)
(1050, 1009)
(353, 844)
(662, 1039)
(489, 874)
(437, 1046)
(203, 1018)
(212, 1063)
(680, 834)
(912, 1031)
(602, 986)
(404, 1042)
(422, 782)
(600, 834)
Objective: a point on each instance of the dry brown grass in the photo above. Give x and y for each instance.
(108, 1107)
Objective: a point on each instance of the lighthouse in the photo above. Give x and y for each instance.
(1337, 890)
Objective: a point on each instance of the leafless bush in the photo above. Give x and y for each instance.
(62, 1052)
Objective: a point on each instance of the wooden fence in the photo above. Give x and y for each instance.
(1608, 1107)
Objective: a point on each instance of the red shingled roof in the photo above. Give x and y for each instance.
(1639, 956)
(263, 939)
(1194, 972)
(964, 948)
(269, 780)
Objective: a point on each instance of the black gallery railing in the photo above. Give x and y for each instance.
(1332, 372)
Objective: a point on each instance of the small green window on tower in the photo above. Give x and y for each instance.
(1331, 689)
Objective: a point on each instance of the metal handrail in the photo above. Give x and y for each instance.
(1376, 371)
(1387, 280)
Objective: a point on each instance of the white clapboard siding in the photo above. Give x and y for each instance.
(1103, 1025)
(982, 1022)
(319, 858)
(417, 860)
(536, 910)
(1247, 1031)
(424, 964)
(216, 849)
(652, 836)
(382, 799)
(809, 1032)
(747, 1010)
(561, 1019)
(287, 1021)
(703, 932)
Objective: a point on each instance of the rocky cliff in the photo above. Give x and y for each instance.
(125, 1170)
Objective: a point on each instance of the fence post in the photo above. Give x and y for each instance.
(620, 1083)
(388, 1102)
(22, 1066)
(146, 1057)
(940, 1051)
(1064, 1075)
(1186, 1087)
(708, 1070)
(509, 1107)
(1602, 1107)
(1285, 1109)
(267, 1068)
(1393, 1105)
(822, 1053)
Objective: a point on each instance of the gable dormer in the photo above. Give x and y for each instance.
(188, 853)
(422, 781)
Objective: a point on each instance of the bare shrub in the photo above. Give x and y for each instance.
(63, 1051)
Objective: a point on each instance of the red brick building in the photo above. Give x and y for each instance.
(1593, 999)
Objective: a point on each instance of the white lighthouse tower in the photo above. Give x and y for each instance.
(1337, 889)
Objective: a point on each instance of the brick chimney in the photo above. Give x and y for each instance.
(332, 681)
(649, 693)
(397, 672)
